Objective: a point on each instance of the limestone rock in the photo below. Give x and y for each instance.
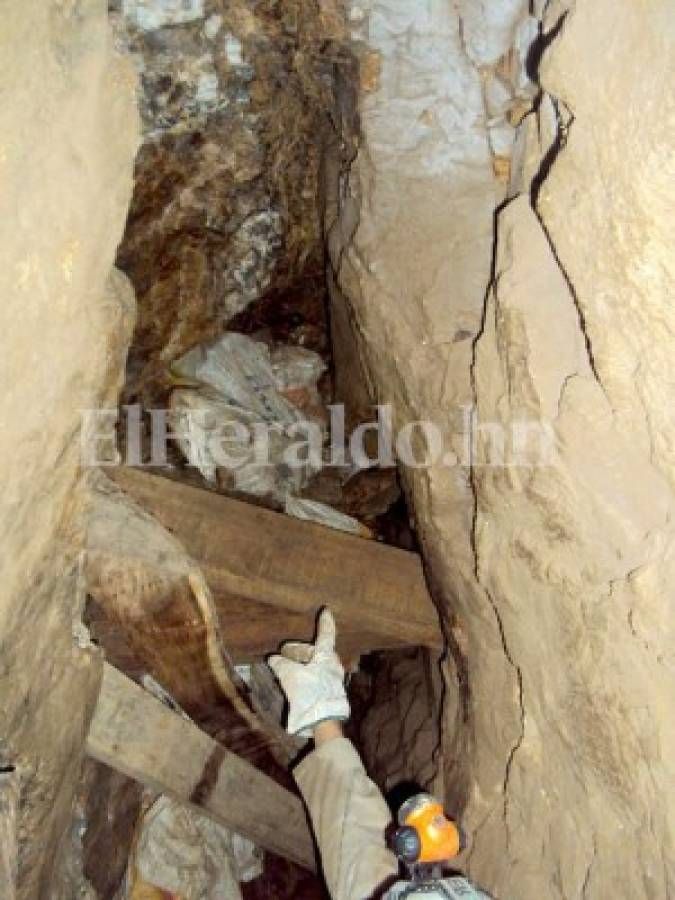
(414, 264)
(488, 28)
(69, 135)
(554, 571)
(237, 104)
(152, 14)
(202, 239)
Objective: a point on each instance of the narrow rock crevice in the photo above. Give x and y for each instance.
(565, 121)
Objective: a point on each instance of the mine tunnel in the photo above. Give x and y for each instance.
(342, 323)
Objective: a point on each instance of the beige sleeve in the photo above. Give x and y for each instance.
(349, 816)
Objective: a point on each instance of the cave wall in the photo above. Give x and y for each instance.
(238, 101)
(553, 580)
(579, 556)
(69, 136)
(396, 702)
(552, 571)
(411, 249)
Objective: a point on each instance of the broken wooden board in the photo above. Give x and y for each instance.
(144, 614)
(137, 735)
(262, 566)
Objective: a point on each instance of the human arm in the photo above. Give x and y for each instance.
(349, 818)
(348, 813)
(326, 731)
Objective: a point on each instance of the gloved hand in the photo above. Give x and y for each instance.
(312, 678)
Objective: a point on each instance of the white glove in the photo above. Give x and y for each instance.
(312, 678)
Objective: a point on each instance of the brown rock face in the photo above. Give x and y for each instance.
(69, 136)
(396, 701)
(196, 259)
(553, 569)
(238, 101)
(577, 555)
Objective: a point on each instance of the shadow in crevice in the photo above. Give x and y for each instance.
(539, 47)
(533, 65)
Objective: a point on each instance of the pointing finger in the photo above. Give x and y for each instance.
(325, 635)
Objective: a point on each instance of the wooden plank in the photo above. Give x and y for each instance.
(251, 631)
(146, 616)
(137, 735)
(248, 553)
(10, 796)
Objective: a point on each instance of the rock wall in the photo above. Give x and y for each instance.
(396, 702)
(411, 247)
(552, 568)
(68, 140)
(238, 100)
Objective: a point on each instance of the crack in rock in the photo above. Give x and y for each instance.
(565, 119)
(500, 626)
(589, 868)
(473, 533)
(521, 706)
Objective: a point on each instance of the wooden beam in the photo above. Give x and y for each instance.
(254, 555)
(250, 631)
(137, 735)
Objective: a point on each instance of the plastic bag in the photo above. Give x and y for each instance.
(296, 373)
(238, 386)
(186, 854)
(315, 511)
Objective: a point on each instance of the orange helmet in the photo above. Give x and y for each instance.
(426, 835)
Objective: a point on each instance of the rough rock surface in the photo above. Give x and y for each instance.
(587, 544)
(69, 132)
(554, 575)
(411, 248)
(237, 100)
(396, 703)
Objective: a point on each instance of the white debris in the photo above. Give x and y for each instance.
(240, 370)
(296, 373)
(182, 851)
(314, 511)
(212, 26)
(215, 436)
(250, 423)
(207, 88)
(150, 15)
(233, 50)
